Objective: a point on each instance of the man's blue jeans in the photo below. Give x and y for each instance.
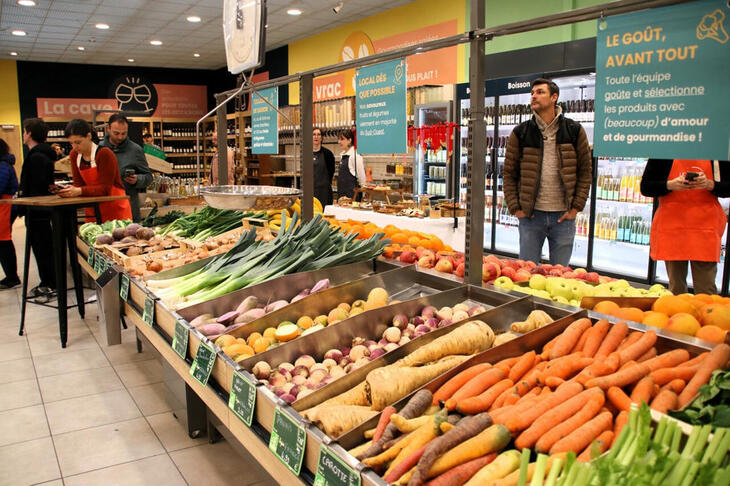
(544, 224)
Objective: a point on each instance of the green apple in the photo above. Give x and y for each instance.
(620, 284)
(538, 282)
(602, 290)
(578, 289)
(543, 294)
(656, 288)
(562, 289)
(574, 303)
(561, 299)
(552, 282)
(504, 282)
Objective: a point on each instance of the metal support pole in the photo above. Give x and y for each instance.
(306, 166)
(476, 167)
(222, 142)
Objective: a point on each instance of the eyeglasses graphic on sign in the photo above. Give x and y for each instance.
(135, 95)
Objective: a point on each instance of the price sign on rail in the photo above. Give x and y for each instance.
(203, 364)
(148, 316)
(332, 471)
(124, 287)
(180, 339)
(90, 257)
(243, 398)
(288, 440)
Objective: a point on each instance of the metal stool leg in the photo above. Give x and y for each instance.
(26, 265)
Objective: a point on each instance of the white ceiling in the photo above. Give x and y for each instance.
(55, 29)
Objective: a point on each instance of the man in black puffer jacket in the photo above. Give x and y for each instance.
(36, 178)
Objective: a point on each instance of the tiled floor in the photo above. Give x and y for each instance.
(92, 414)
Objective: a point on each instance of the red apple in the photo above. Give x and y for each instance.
(408, 256)
(546, 266)
(530, 264)
(592, 277)
(604, 279)
(444, 265)
(421, 252)
(580, 271)
(511, 264)
(509, 272)
(490, 271)
(426, 261)
(538, 271)
(558, 266)
(556, 272)
(569, 274)
(459, 270)
(493, 259)
(523, 275)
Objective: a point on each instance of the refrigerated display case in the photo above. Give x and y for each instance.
(432, 163)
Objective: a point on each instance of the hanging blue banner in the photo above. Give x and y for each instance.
(661, 83)
(380, 108)
(265, 122)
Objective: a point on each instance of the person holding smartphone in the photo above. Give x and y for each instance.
(689, 224)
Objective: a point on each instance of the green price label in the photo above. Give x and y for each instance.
(288, 440)
(148, 316)
(257, 222)
(203, 364)
(90, 258)
(180, 339)
(124, 287)
(332, 471)
(243, 398)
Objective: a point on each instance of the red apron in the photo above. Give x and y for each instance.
(5, 229)
(688, 224)
(109, 210)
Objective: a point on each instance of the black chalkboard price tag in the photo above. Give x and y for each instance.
(90, 257)
(148, 316)
(180, 339)
(203, 364)
(243, 398)
(332, 471)
(124, 287)
(288, 440)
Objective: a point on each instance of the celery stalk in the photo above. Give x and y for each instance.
(554, 471)
(524, 465)
(722, 449)
(714, 444)
(539, 475)
(691, 473)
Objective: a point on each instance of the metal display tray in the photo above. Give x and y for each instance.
(249, 197)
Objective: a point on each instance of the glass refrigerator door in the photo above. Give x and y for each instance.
(431, 172)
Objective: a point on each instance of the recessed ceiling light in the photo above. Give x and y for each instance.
(193, 18)
(19, 33)
(13, 53)
(81, 48)
(26, 3)
(156, 42)
(130, 60)
(294, 11)
(195, 54)
(102, 26)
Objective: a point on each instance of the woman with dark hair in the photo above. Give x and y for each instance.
(95, 173)
(324, 169)
(351, 174)
(8, 188)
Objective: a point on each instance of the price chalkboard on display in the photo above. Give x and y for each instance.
(90, 257)
(148, 316)
(332, 471)
(288, 440)
(180, 339)
(243, 398)
(203, 364)
(124, 287)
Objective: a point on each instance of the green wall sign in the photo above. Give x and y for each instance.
(265, 122)
(661, 83)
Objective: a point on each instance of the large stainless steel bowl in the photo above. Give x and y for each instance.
(259, 198)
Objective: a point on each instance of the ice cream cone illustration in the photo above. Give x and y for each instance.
(711, 27)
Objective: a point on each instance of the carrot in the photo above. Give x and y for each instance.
(475, 386)
(621, 420)
(601, 444)
(665, 375)
(566, 366)
(446, 390)
(630, 339)
(530, 379)
(569, 337)
(601, 367)
(383, 422)
(510, 399)
(422, 436)
(668, 359)
(521, 366)
(676, 386)
(581, 341)
(493, 439)
(696, 360)
(508, 362)
(643, 391)
(484, 400)
(586, 413)
(461, 474)
(618, 398)
(499, 402)
(717, 359)
(545, 355)
(577, 440)
(647, 356)
(405, 465)
(517, 422)
(545, 391)
(628, 364)
(620, 378)
(664, 401)
(595, 337)
(553, 381)
(641, 345)
(613, 338)
(499, 414)
(554, 416)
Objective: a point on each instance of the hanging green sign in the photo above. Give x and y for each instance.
(288, 440)
(243, 398)
(124, 287)
(380, 108)
(180, 339)
(203, 364)
(265, 122)
(148, 315)
(332, 471)
(661, 82)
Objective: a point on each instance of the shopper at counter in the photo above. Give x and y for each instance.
(58, 151)
(36, 179)
(214, 165)
(547, 176)
(8, 188)
(689, 224)
(351, 173)
(324, 169)
(95, 173)
(133, 167)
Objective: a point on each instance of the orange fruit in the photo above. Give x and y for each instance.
(399, 238)
(426, 243)
(712, 333)
(414, 240)
(656, 319)
(684, 323)
(607, 307)
(261, 344)
(715, 315)
(702, 299)
(251, 339)
(674, 304)
(630, 314)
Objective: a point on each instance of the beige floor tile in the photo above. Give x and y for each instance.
(172, 433)
(126, 353)
(28, 462)
(19, 394)
(140, 372)
(45, 344)
(79, 383)
(69, 360)
(9, 329)
(108, 445)
(150, 399)
(14, 351)
(216, 464)
(55, 482)
(22, 424)
(152, 470)
(90, 411)
(17, 370)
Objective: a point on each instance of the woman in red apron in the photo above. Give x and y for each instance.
(95, 173)
(689, 224)
(8, 188)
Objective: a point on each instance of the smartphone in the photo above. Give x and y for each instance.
(690, 176)
(128, 172)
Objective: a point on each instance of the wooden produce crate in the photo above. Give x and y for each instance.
(186, 243)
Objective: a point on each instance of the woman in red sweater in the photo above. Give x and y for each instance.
(95, 173)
